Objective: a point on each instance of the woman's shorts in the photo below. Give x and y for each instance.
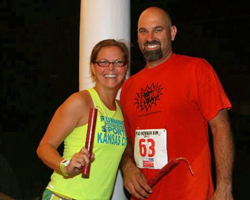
(48, 195)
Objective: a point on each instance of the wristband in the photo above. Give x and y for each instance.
(63, 164)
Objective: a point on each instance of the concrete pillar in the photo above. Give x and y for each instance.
(102, 19)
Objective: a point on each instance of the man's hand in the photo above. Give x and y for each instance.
(219, 195)
(136, 183)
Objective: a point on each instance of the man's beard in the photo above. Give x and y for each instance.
(153, 55)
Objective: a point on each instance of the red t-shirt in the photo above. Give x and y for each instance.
(178, 96)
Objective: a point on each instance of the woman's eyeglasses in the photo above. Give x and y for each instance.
(105, 63)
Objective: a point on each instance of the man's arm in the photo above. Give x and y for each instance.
(224, 155)
(134, 180)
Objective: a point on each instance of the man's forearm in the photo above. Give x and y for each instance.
(128, 157)
(224, 158)
(223, 151)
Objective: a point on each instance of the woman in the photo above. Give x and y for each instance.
(109, 63)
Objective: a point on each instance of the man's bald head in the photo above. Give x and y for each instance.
(156, 11)
(155, 34)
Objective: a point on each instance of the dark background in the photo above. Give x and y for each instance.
(39, 66)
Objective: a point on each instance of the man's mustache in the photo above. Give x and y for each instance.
(152, 42)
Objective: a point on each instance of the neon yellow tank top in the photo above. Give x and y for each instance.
(109, 144)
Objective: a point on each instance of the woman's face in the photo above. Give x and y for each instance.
(113, 75)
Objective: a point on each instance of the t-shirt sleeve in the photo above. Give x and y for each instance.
(124, 110)
(211, 95)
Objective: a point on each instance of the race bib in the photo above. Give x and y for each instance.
(150, 148)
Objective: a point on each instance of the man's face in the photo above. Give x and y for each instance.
(154, 36)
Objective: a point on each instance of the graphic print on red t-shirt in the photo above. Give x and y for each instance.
(148, 96)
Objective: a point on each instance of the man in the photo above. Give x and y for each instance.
(167, 109)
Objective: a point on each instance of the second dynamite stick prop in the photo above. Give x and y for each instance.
(90, 138)
(166, 169)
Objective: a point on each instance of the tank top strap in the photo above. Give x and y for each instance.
(95, 97)
(98, 102)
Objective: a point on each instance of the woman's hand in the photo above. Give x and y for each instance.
(78, 161)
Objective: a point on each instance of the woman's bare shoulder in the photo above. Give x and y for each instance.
(77, 102)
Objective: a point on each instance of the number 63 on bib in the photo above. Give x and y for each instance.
(150, 148)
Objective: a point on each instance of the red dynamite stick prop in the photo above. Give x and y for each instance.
(90, 138)
(166, 169)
